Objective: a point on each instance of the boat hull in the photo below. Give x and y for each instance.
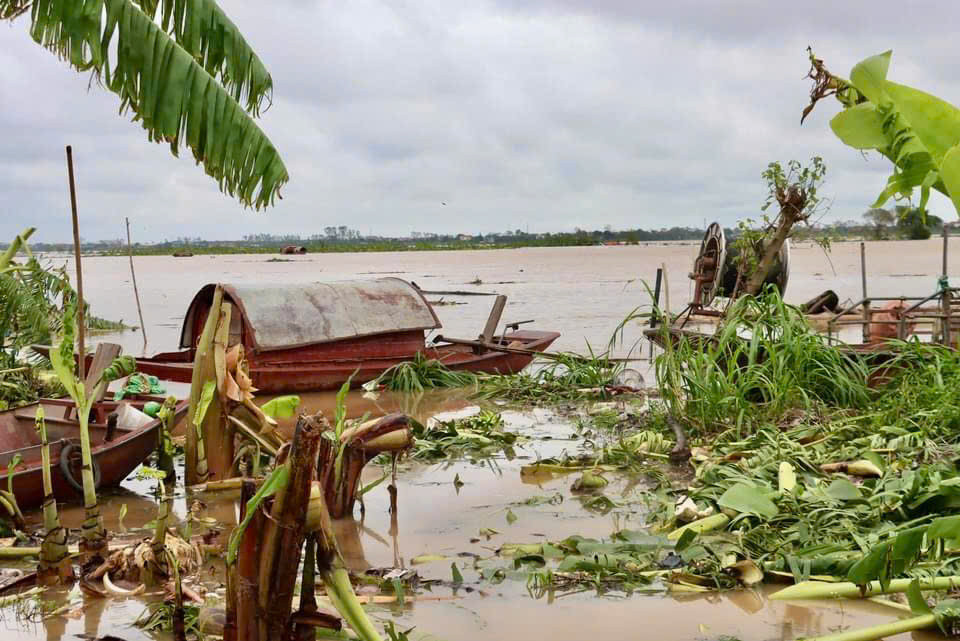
(116, 458)
(302, 372)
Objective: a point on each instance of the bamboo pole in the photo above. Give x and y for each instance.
(946, 236)
(136, 293)
(81, 327)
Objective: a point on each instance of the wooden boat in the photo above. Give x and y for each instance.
(300, 338)
(116, 450)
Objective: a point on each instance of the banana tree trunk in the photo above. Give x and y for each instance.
(218, 430)
(285, 531)
(55, 566)
(94, 541)
(358, 446)
(203, 371)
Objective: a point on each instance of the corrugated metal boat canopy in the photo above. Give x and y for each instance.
(281, 316)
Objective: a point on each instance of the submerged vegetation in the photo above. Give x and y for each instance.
(561, 379)
(421, 373)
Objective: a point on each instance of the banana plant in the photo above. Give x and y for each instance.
(94, 535)
(55, 565)
(918, 132)
(183, 69)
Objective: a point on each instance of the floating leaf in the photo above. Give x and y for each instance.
(427, 558)
(748, 499)
(843, 490)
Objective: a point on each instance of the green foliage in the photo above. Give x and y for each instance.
(423, 373)
(904, 519)
(626, 562)
(158, 617)
(916, 131)
(29, 294)
(476, 437)
(169, 75)
(804, 179)
(763, 361)
(281, 406)
(794, 191)
(276, 482)
(564, 378)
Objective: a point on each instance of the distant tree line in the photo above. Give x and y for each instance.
(900, 222)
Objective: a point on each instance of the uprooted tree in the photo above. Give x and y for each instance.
(794, 191)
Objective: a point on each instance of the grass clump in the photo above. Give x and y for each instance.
(565, 378)
(763, 361)
(422, 373)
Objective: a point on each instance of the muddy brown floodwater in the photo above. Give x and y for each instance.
(583, 293)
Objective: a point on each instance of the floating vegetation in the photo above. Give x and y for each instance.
(628, 561)
(564, 378)
(479, 436)
(421, 373)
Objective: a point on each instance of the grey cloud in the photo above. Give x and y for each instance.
(550, 114)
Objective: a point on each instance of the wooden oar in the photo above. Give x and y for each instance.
(526, 352)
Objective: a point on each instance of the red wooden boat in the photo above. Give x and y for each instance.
(301, 338)
(116, 451)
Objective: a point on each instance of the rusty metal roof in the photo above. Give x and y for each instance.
(281, 316)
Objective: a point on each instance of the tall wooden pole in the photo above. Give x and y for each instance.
(81, 326)
(136, 294)
(666, 294)
(946, 236)
(863, 284)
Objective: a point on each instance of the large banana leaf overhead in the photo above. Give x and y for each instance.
(918, 132)
(183, 69)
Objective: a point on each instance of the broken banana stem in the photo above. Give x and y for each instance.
(113, 589)
(392, 442)
(862, 468)
(705, 524)
(341, 595)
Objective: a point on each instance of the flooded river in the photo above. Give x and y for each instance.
(583, 293)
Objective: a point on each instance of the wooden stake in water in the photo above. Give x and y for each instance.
(81, 327)
(863, 284)
(666, 293)
(136, 294)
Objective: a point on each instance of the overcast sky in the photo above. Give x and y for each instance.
(545, 115)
